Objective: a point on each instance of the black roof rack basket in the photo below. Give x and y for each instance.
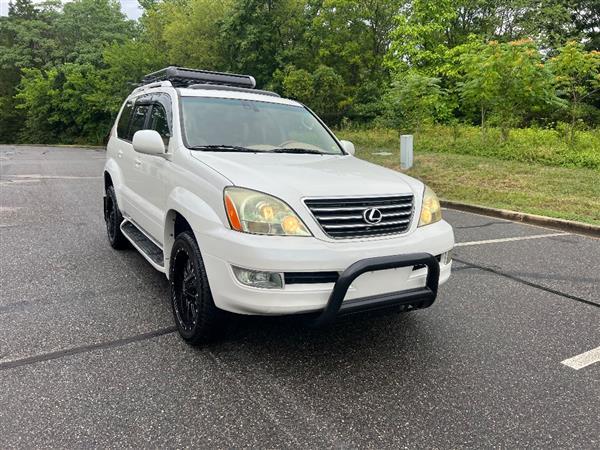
(182, 77)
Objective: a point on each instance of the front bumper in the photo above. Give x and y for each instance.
(298, 254)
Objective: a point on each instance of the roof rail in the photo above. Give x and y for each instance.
(143, 87)
(213, 87)
(182, 77)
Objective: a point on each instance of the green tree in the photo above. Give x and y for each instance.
(298, 84)
(506, 81)
(552, 23)
(26, 40)
(63, 105)
(337, 56)
(422, 37)
(59, 85)
(86, 27)
(353, 36)
(412, 102)
(199, 21)
(430, 37)
(257, 35)
(322, 91)
(577, 77)
(329, 96)
(124, 66)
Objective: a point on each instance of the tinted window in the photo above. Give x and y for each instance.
(159, 122)
(123, 124)
(138, 120)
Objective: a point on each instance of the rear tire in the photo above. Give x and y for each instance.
(197, 318)
(113, 219)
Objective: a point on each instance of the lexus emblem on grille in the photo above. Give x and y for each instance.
(372, 215)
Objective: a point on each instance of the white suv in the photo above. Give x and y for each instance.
(249, 204)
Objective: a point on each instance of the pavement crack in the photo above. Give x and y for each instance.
(84, 349)
(528, 283)
(487, 224)
(459, 269)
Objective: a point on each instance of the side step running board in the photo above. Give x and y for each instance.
(144, 244)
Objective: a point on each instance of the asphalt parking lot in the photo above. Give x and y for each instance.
(89, 357)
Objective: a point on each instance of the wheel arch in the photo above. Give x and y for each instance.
(187, 212)
(175, 223)
(112, 177)
(107, 180)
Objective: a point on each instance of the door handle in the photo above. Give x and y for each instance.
(138, 162)
(120, 153)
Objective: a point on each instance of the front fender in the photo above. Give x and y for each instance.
(201, 216)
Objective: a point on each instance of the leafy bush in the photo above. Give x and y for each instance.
(64, 105)
(412, 101)
(531, 145)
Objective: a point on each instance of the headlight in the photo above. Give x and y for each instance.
(254, 212)
(431, 212)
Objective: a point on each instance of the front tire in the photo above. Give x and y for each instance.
(113, 219)
(197, 318)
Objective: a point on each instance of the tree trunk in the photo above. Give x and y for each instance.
(573, 123)
(482, 120)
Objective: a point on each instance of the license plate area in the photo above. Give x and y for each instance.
(381, 282)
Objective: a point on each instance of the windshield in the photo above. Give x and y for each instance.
(241, 125)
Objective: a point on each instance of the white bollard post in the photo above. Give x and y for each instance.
(406, 151)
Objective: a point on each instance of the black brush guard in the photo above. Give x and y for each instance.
(417, 298)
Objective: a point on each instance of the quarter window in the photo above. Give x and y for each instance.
(124, 119)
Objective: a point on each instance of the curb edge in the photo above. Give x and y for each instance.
(548, 222)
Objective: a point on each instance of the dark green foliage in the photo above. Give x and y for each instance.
(258, 36)
(64, 104)
(51, 70)
(65, 69)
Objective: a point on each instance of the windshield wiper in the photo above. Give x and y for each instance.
(238, 148)
(225, 148)
(297, 150)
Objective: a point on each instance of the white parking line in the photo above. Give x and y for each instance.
(520, 238)
(583, 360)
(54, 177)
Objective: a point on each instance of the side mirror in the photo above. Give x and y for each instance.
(348, 147)
(149, 142)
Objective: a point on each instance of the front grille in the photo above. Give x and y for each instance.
(345, 217)
(310, 277)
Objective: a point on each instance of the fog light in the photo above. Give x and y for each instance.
(446, 257)
(258, 279)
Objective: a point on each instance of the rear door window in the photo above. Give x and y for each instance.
(159, 122)
(138, 119)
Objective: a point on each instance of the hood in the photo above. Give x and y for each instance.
(306, 175)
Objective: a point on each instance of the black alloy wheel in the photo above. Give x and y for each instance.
(197, 318)
(113, 218)
(185, 291)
